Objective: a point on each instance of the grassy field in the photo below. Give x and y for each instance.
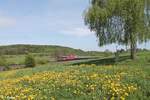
(97, 79)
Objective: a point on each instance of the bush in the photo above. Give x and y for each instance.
(3, 63)
(29, 61)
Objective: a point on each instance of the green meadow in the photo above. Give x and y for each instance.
(93, 79)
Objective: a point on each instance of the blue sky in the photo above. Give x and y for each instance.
(52, 22)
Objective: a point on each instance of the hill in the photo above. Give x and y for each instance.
(50, 49)
(24, 48)
(13, 56)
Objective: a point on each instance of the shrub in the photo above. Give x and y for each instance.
(3, 63)
(29, 61)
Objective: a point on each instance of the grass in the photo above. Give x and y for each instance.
(77, 83)
(95, 79)
(19, 59)
(142, 59)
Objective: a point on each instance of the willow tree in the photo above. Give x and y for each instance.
(119, 21)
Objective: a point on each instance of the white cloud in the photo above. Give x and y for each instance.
(80, 32)
(7, 22)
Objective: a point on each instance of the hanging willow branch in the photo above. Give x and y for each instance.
(124, 22)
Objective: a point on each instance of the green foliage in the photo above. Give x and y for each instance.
(119, 21)
(43, 50)
(29, 61)
(133, 72)
(84, 82)
(42, 61)
(23, 49)
(3, 61)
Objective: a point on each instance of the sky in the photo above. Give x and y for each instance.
(50, 22)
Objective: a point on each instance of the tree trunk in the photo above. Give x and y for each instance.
(133, 51)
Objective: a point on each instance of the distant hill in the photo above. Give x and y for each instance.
(51, 49)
